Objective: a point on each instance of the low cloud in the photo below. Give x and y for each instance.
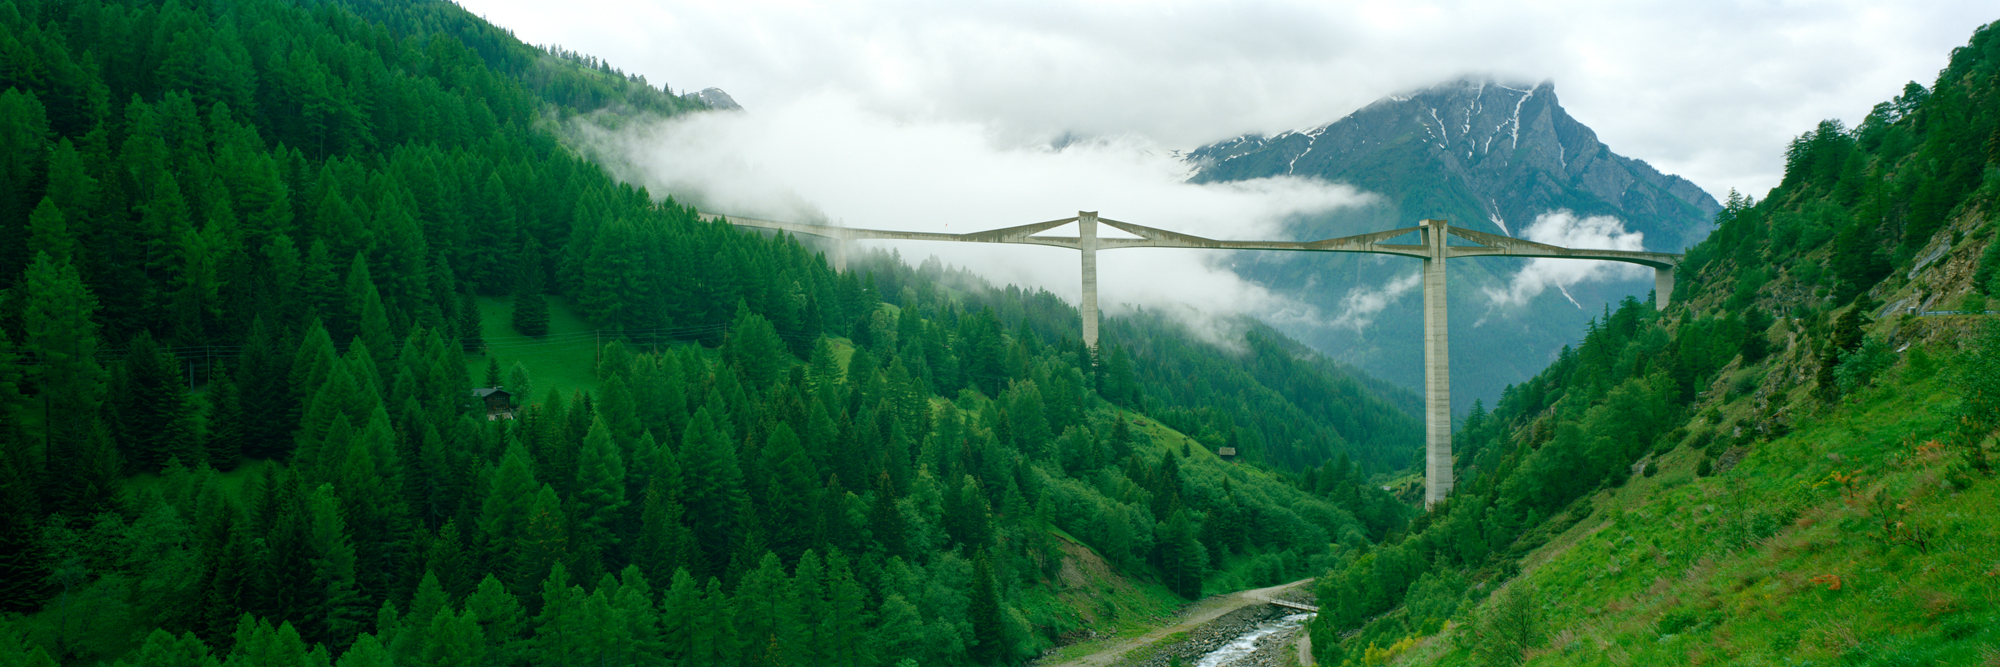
(1563, 228)
(828, 158)
(1359, 308)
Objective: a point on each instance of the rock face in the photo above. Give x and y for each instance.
(717, 100)
(1489, 155)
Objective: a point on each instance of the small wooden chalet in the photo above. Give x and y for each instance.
(499, 404)
(1227, 453)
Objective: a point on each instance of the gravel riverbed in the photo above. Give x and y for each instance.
(1207, 638)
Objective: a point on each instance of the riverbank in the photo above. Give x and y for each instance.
(1196, 630)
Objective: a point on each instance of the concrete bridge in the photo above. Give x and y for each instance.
(1431, 247)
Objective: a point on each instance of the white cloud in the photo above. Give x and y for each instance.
(1563, 228)
(1707, 90)
(1359, 308)
(825, 157)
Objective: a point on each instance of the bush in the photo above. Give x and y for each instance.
(1859, 367)
(1511, 625)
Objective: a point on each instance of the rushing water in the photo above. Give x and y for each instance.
(1246, 644)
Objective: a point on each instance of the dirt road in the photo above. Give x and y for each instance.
(1203, 612)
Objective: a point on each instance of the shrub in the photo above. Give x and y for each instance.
(1859, 367)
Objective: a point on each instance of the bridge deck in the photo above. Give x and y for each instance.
(1288, 604)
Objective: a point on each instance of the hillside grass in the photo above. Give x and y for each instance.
(1859, 538)
(564, 359)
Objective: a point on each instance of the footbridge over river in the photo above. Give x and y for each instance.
(1431, 247)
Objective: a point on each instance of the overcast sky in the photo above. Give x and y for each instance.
(937, 116)
(1707, 90)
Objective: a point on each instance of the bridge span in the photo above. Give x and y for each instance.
(1431, 247)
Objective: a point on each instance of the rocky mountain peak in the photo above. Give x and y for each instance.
(1511, 146)
(716, 99)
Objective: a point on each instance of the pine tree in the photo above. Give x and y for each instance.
(600, 491)
(62, 335)
(503, 521)
(155, 418)
(546, 542)
(715, 498)
(984, 614)
(49, 233)
(226, 423)
(664, 542)
(558, 625)
(531, 309)
(767, 614)
(680, 618)
(753, 347)
(335, 611)
(501, 620)
(789, 493)
(364, 307)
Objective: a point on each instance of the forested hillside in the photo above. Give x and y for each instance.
(246, 251)
(1792, 465)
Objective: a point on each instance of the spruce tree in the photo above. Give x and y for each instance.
(546, 542)
(600, 491)
(63, 336)
(503, 521)
(226, 423)
(502, 621)
(531, 308)
(984, 614)
(715, 498)
(155, 417)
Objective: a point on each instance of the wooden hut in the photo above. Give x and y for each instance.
(499, 404)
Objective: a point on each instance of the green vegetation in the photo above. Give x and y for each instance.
(256, 255)
(1812, 486)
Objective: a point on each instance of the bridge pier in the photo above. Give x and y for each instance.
(1086, 241)
(1663, 287)
(1437, 368)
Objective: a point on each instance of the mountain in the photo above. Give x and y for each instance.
(1484, 154)
(715, 99)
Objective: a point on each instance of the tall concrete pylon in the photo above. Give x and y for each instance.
(1086, 244)
(1432, 248)
(1437, 367)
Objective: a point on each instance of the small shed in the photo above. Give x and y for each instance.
(1227, 453)
(499, 403)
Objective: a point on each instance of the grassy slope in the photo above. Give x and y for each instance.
(565, 359)
(1853, 539)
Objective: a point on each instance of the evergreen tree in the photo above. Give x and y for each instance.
(985, 612)
(503, 521)
(531, 308)
(501, 620)
(715, 498)
(155, 417)
(600, 493)
(61, 334)
(227, 425)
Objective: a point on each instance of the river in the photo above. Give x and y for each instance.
(1246, 644)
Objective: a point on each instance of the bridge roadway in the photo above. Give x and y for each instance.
(1432, 248)
(1296, 606)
